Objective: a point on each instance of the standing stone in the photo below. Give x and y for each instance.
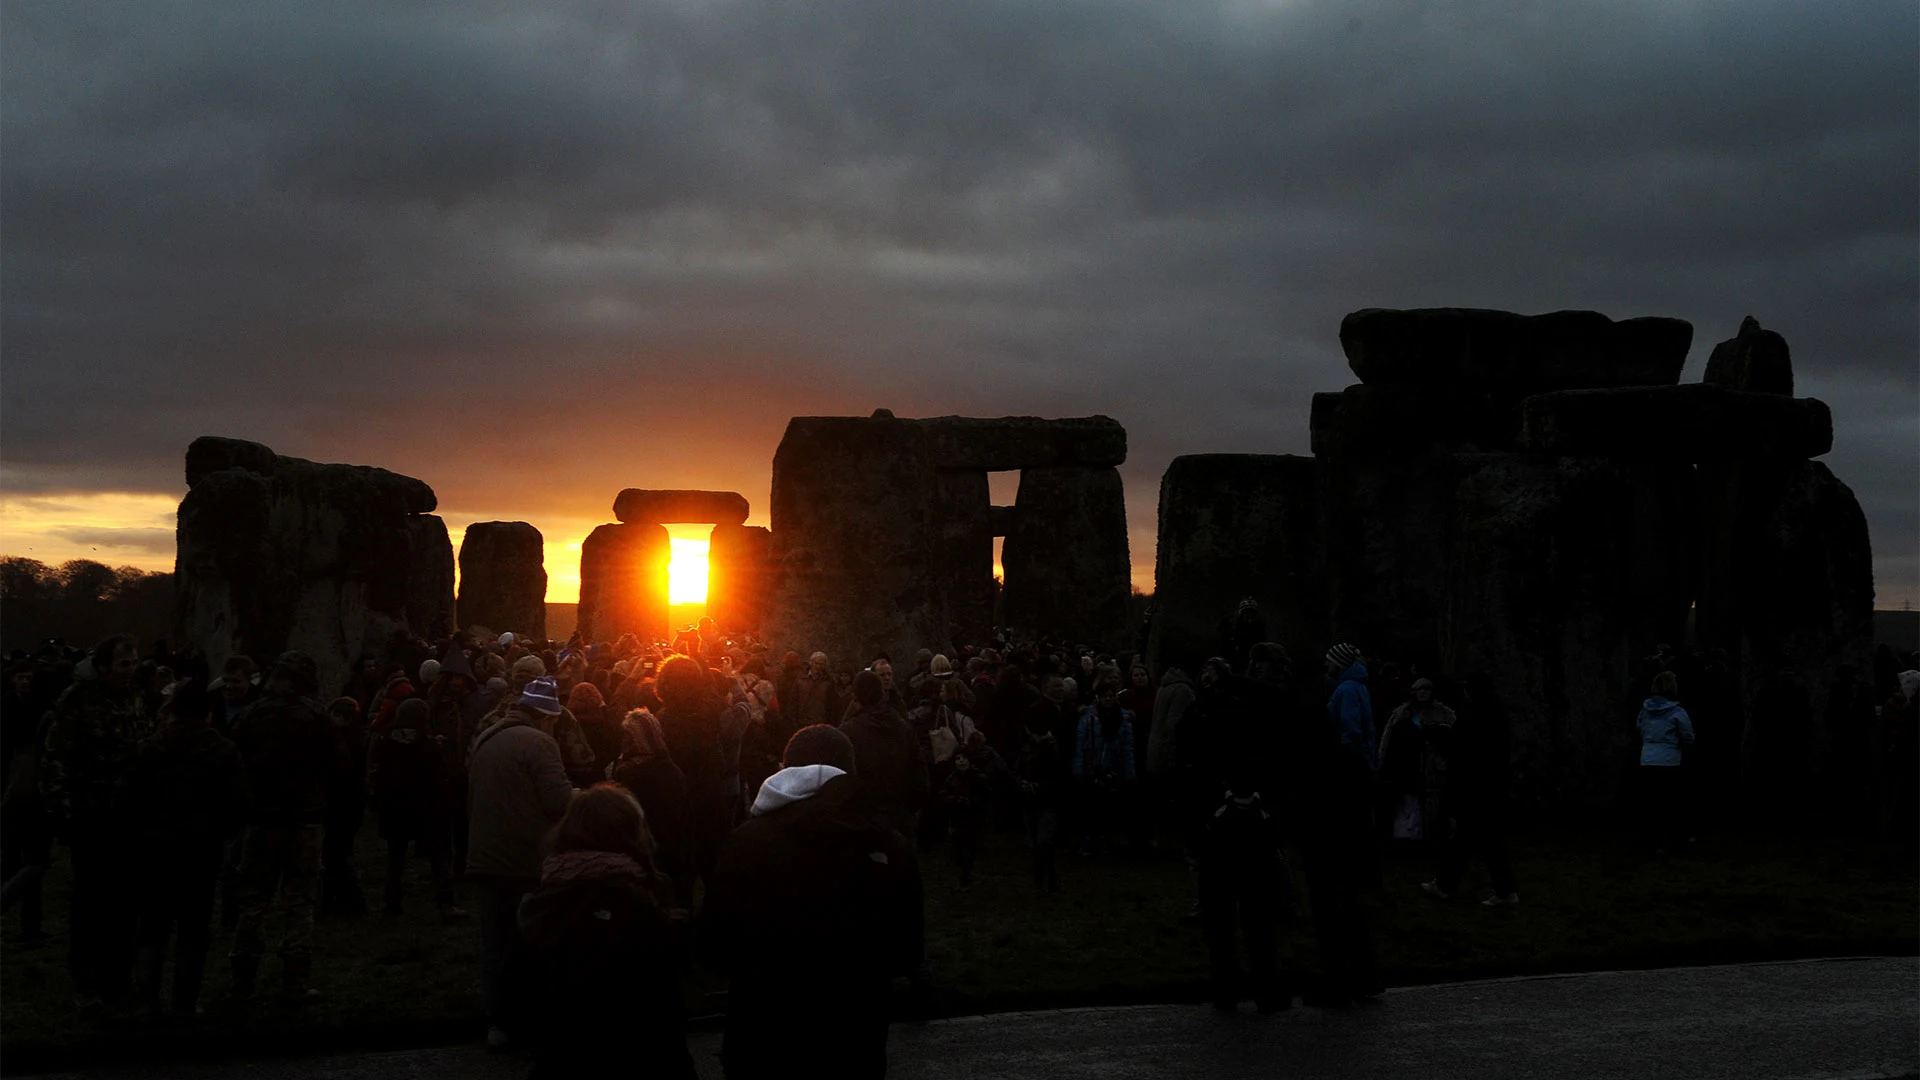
(963, 510)
(503, 577)
(1234, 526)
(739, 577)
(278, 553)
(1754, 360)
(1067, 566)
(430, 575)
(854, 533)
(623, 582)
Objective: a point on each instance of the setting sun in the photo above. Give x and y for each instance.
(687, 572)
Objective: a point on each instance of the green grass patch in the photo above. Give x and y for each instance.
(1591, 901)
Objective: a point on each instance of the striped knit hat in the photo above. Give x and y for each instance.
(1343, 656)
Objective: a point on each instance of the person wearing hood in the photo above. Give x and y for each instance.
(646, 768)
(605, 948)
(406, 775)
(1665, 734)
(1351, 705)
(517, 789)
(814, 907)
(93, 734)
(188, 791)
(598, 727)
(292, 755)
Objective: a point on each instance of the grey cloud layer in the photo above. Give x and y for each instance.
(270, 218)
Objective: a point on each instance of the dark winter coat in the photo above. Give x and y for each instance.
(812, 909)
(292, 757)
(662, 793)
(406, 771)
(969, 799)
(605, 961)
(186, 792)
(92, 736)
(890, 766)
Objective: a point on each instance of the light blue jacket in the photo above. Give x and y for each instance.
(1351, 707)
(1665, 730)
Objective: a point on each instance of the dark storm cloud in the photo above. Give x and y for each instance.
(382, 232)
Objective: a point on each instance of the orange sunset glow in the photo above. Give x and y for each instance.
(687, 570)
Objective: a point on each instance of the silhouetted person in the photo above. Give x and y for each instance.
(1336, 834)
(690, 720)
(93, 735)
(646, 768)
(26, 843)
(292, 756)
(187, 791)
(340, 889)
(814, 907)
(517, 790)
(406, 774)
(1475, 799)
(893, 780)
(1240, 743)
(604, 954)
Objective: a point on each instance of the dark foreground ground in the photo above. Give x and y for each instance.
(1591, 902)
(1840, 1018)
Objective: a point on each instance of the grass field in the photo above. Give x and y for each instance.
(1590, 901)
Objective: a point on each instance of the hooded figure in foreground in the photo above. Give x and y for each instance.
(814, 907)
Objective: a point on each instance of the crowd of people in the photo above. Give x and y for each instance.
(623, 809)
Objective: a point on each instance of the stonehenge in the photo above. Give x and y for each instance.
(883, 531)
(276, 553)
(503, 577)
(1536, 499)
(623, 567)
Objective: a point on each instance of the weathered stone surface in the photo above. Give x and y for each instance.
(1024, 442)
(739, 576)
(503, 577)
(277, 553)
(963, 512)
(1512, 355)
(1754, 360)
(430, 576)
(1234, 526)
(1786, 589)
(1067, 566)
(1561, 574)
(1696, 422)
(623, 582)
(664, 506)
(854, 532)
(1385, 420)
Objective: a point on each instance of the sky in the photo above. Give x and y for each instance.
(533, 253)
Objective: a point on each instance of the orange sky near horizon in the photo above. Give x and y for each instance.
(137, 529)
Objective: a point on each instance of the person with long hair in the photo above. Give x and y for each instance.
(646, 769)
(605, 951)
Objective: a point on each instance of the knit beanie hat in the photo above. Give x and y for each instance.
(429, 671)
(529, 665)
(941, 667)
(542, 695)
(507, 639)
(1343, 656)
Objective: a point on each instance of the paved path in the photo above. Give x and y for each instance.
(1826, 1019)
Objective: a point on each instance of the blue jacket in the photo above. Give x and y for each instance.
(1091, 752)
(1351, 708)
(1665, 730)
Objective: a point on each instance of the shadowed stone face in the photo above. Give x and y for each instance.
(884, 532)
(280, 553)
(503, 577)
(1531, 499)
(623, 582)
(643, 505)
